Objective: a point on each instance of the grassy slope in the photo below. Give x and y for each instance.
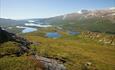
(17, 63)
(11, 62)
(98, 24)
(75, 50)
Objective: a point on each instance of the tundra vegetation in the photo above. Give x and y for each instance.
(85, 51)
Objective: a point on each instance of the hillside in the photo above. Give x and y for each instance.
(89, 20)
(85, 41)
(10, 22)
(102, 20)
(75, 50)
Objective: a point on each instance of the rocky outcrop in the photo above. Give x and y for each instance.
(6, 36)
(99, 37)
(48, 64)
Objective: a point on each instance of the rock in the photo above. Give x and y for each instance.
(88, 64)
(113, 43)
(50, 64)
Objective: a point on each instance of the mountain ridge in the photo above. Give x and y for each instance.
(101, 20)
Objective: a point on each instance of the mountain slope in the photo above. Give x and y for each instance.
(91, 20)
(10, 22)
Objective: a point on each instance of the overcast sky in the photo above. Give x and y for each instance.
(24, 9)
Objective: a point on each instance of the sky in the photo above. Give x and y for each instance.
(25, 9)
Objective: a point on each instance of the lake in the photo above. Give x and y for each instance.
(57, 35)
(73, 33)
(53, 35)
(27, 29)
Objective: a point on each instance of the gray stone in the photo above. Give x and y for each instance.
(50, 64)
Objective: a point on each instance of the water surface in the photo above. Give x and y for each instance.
(74, 33)
(27, 29)
(53, 35)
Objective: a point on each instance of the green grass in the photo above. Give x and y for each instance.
(9, 61)
(83, 24)
(17, 63)
(75, 50)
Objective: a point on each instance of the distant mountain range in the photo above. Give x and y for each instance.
(93, 20)
(10, 22)
(102, 20)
